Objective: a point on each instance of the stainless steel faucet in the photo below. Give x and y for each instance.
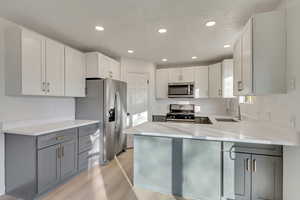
(239, 112)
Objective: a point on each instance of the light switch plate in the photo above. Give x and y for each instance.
(292, 84)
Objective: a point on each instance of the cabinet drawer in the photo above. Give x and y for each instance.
(89, 143)
(158, 118)
(56, 138)
(86, 160)
(88, 130)
(272, 150)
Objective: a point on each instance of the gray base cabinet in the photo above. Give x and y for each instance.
(88, 147)
(68, 165)
(257, 172)
(182, 167)
(37, 164)
(48, 168)
(267, 178)
(56, 162)
(242, 176)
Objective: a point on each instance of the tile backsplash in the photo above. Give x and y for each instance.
(202, 106)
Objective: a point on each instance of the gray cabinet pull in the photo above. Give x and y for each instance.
(62, 151)
(48, 87)
(248, 164)
(254, 165)
(58, 152)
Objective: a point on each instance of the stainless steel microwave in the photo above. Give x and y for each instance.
(181, 90)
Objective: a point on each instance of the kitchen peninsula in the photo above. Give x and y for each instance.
(229, 160)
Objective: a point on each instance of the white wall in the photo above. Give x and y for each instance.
(283, 108)
(160, 107)
(15, 111)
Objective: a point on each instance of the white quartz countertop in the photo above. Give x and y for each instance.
(243, 131)
(42, 129)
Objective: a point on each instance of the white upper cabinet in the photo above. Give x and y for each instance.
(101, 66)
(35, 65)
(32, 63)
(183, 74)
(201, 81)
(55, 68)
(115, 70)
(259, 53)
(215, 80)
(188, 74)
(74, 73)
(227, 78)
(161, 86)
(175, 75)
(237, 69)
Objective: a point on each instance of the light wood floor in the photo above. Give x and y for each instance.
(105, 183)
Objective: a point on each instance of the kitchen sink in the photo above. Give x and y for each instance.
(226, 120)
(202, 120)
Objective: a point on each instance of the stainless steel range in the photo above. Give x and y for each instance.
(185, 113)
(181, 112)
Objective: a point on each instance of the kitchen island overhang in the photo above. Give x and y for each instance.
(188, 160)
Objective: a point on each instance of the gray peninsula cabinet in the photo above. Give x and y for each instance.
(37, 164)
(252, 172)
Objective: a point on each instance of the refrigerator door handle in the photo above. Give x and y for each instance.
(118, 111)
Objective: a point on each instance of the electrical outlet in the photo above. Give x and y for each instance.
(293, 122)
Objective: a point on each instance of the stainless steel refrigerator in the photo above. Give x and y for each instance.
(106, 101)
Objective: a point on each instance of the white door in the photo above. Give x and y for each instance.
(137, 101)
(227, 78)
(247, 59)
(74, 73)
(137, 94)
(175, 75)
(33, 63)
(161, 83)
(237, 67)
(188, 74)
(201, 82)
(215, 80)
(55, 75)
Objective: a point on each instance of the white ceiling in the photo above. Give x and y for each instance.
(133, 24)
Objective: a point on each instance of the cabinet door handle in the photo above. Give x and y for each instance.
(248, 164)
(62, 151)
(220, 92)
(240, 86)
(58, 152)
(48, 87)
(43, 86)
(254, 165)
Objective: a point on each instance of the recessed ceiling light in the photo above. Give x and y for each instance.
(194, 57)
(227, 46)
(99, 28)
(164, 60)
(130, 51)
(162, 30)
(210, 23)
